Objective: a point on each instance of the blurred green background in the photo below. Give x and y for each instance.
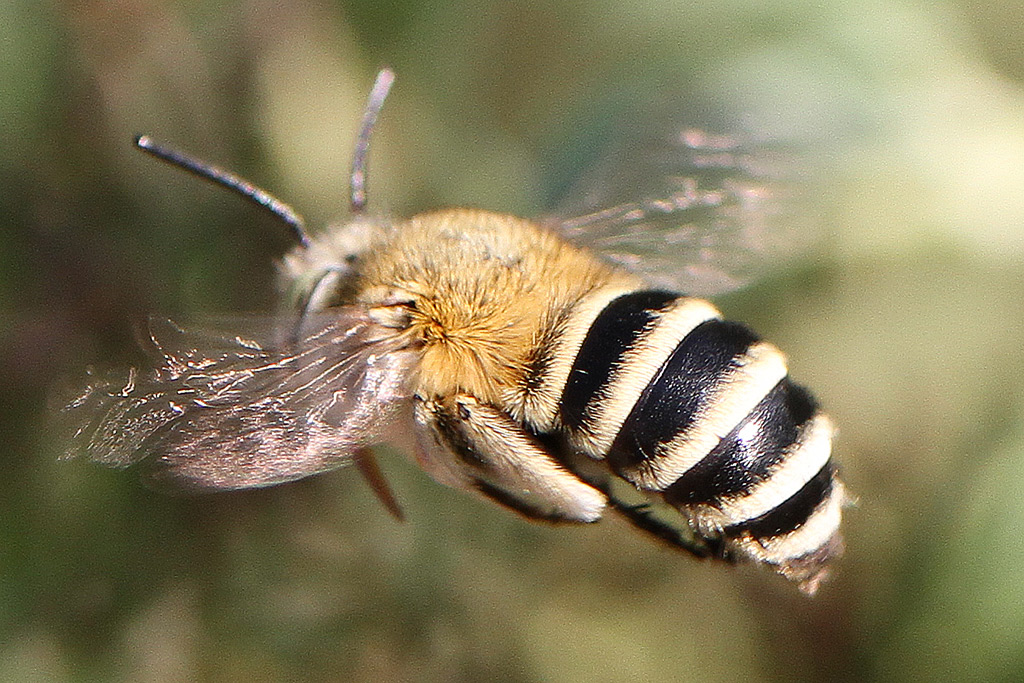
(906, 319)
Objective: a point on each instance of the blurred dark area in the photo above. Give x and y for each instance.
(903, 313)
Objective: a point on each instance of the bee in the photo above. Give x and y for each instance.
(534, 363)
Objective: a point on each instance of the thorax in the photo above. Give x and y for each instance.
(482, 290)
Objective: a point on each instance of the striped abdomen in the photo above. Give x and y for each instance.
(680, 402)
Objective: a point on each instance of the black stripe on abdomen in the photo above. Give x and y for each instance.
(746, 456)
(613, 333)
(792, 513)
(670, 403)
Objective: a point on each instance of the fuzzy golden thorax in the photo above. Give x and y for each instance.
(483, 289)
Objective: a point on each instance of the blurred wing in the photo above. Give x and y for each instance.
(232, 412)
(691, 211)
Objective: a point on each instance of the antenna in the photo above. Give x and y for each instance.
(262, 198)
(237, 184)
(374, 103)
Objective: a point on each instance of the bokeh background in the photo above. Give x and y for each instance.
(905, 315)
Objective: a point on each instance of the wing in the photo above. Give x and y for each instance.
(693, 211)
(231, 412)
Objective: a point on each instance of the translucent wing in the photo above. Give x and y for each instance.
(692, 211)
(231, 412)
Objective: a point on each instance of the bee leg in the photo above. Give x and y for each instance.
(325, 287)
(367, 465)
(640, 517)
(520, 506)
(474, 446)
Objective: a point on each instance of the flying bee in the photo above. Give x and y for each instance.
(534, 363)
